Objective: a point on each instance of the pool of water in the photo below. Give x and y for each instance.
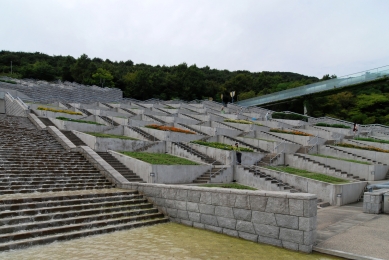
(164, 241)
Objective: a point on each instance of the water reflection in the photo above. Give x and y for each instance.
(164, 241)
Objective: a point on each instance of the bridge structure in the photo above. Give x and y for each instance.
(322, 86)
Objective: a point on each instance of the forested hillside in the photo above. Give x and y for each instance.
(366, 104)
(142, 81)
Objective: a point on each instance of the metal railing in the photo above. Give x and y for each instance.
(314, 144)
(347, 80)
(215, 173)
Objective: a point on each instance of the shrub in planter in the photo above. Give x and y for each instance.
(170, 128)
(240, 121)
(59, 111)
(294, 132)
(221, 146)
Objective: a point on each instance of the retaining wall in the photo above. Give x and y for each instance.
(163, 173)
(281, 219)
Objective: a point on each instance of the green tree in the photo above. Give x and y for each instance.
(103, 77)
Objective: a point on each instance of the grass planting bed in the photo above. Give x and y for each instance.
(367, 148)
(309, 175)
(59, 111)
(371, 140)
(337, 158)
(294, 132)
(241, 121)
(110, 136)
(221, 146)
(160, 158)
(228, 186)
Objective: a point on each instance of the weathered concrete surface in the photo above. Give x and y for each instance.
(358, 235)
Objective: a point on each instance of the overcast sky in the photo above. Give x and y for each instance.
(311, 37)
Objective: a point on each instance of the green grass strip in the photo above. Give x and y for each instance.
(310, 175)
(77, 121)
(367, 148)
(371, 140)
(159, 158)
(221, 146)
(341, 159)
(229, 186)
(8, 81)
(103, 135)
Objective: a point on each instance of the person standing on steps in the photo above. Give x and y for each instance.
(355, 128)
(238, 153)
(222, 111)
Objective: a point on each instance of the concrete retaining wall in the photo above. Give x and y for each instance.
(82, 127)
(281, 219)
(372, 201)
(44, 113)
(377, 156)
(163, 173)
(349, 192)
(371, 172)
(303, 140)
(100, 144)
(172, 136)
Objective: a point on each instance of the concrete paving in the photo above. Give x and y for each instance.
(348, 232)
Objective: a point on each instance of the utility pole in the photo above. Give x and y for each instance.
(11, 66)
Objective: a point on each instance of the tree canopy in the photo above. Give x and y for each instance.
(142, 81)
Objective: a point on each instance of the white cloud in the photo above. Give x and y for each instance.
(303, 36)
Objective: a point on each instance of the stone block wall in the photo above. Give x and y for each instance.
(282, 219)
(372, 201)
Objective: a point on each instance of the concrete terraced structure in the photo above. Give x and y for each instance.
(49, 194)
(71, 169)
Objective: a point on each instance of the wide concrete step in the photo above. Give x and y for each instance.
(51, 182)
(74, 233)
(77, 209)
(52, 185)
(56, 189)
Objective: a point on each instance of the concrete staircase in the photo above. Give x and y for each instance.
(107, 105)
(73, 138)
(117, 165)
(128, 111)
(327, 169)
(155, 119)
(109, 120)
(143, 133)
(191, 117)
(48, 194)
(349, 155)
(244, 144)
(41, 220)
(229, 126)
(276, 137)
(208, 175)
(84, 111)
(268, 159)
(46, 121)
(203, 157)
(272, 180)
(192, 129)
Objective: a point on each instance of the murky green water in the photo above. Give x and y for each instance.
(165, 241)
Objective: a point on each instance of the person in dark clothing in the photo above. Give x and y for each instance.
(238, 153)
(355, 128)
